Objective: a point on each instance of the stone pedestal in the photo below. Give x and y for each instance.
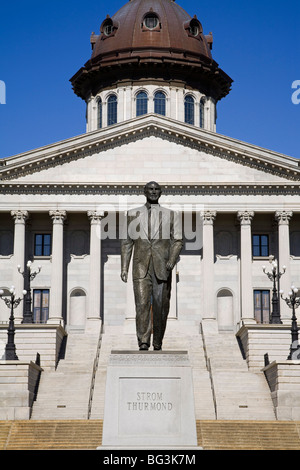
(258, 340)
(283, 378)
(149, 402)
(18, 381)
(33, 338)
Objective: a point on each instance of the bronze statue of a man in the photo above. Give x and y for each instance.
(154, 233)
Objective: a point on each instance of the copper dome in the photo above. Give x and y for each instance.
(171, 31)
(154, 39)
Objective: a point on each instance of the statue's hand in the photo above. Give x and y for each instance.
(124, 276)
(169, 266)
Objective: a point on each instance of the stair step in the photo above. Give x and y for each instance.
(43, 435)
(64, 393)
(238, 392)
(87, 435)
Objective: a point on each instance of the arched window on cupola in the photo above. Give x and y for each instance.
(112, 110)
(141, 103)
(189, 109)
(202, 104)
(99, 114)
(160, 103)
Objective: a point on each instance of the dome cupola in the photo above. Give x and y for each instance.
(153, 41)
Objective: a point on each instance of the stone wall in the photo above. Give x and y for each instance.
(32, 339)
(284, 381)
(258, 340)
(18, 382)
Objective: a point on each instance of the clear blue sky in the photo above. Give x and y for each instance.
(43, 44)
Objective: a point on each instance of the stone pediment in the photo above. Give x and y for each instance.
(126, 155)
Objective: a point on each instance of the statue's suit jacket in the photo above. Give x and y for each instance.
(164, 244)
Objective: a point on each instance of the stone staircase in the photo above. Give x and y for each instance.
(248, 435)
(50, 435)
(178, 337)
(233, 405)
(224, 388)
(113, 338)
(87, 435)
(190, 339)
(238, 393)
(64, 392)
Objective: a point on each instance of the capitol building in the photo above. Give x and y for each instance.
(152, 89)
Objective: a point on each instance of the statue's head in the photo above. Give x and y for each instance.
(152, 191)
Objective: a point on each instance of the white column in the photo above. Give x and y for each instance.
(20, 218)
(124, 103)
(283, 219)
(197, 113)
(94, 295)
(121, 104)
(172, 110)
(89, 112)
(180, 104)
(211, 109)
(129, 101)
(104, 113)
(246, 288)
(56, 288)
(208, 314)
(93, 114)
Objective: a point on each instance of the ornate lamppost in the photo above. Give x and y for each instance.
(293, 302)
(274, 276)
(28, 276)
(10, 348)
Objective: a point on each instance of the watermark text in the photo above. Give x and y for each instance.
(2, 92)
(296, 93)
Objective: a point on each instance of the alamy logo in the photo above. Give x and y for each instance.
(296, 94)
(2, 92)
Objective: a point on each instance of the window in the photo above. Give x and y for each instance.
(6, 242)
(189, 106)
(202, 113)
(42, 244)
(112, 105)
(150, 21)
(262, 306)
(195, 28)
(40, 305)
(100, 114)
(141, 103)
(160, 103)
(108, 29)
(260, 245)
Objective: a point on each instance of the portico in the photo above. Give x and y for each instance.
(223, 262)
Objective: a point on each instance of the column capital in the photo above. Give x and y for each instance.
(283, 217)
(95, 216)
(19, 216)
(208, 217)
(245, 217)
(58, 216)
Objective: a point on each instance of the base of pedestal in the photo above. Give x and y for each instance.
(149, 402)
